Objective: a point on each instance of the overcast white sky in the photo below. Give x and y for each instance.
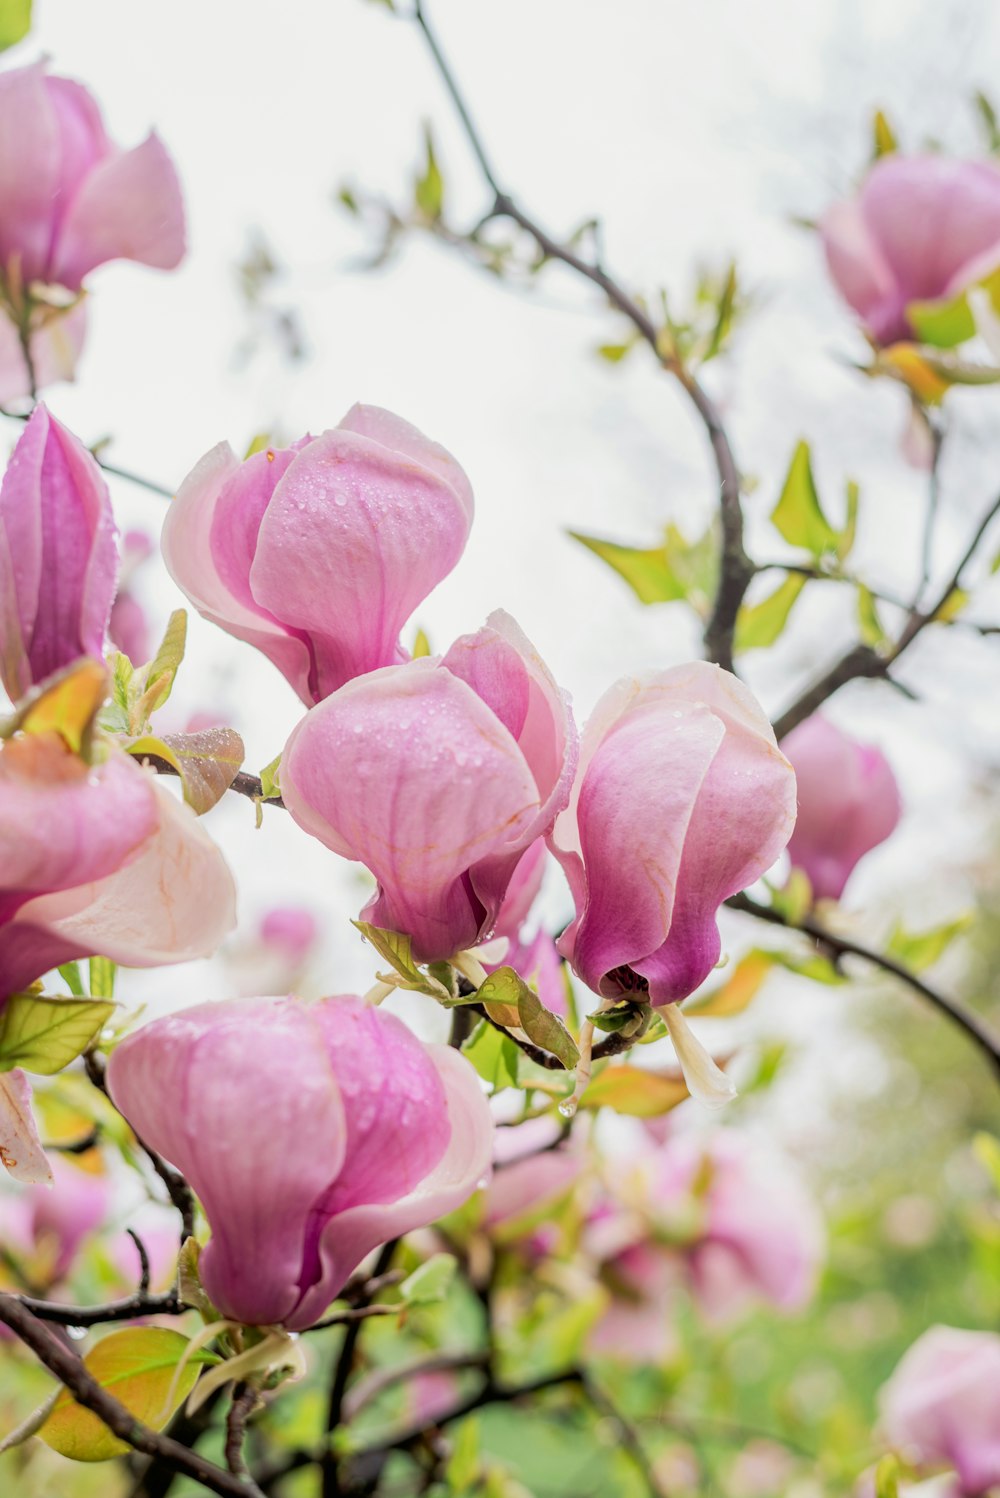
(695, 131)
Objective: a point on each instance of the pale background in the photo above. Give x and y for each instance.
(695, 131)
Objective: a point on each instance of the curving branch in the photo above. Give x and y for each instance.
(736, 568)
(842, 946)
(71, 1371)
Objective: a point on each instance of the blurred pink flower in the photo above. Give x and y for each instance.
(530, 1176)
(942, 1406)
(58, 559)
(69, 198)
(290, 930)
(922, 228)
(310, 1134)
(681, 799)
(128, 627)
(848, 803)
(56, 346)
(318, 553)
(75, 1206)
(438, 775)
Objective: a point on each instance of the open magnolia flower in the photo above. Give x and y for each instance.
(318, 553)
(58, 555)
(94, 859)
(311, 1133)
(438, 775)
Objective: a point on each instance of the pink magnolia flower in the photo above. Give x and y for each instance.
(310, 1133)
(942, 1406)
(94, 859)
(923, 228)
(58, 558)
(69, 198)
(535, 958)
(56, 345)
(65, 1216)
(438, 775)
(681, 799)
(318, 553)
(522, 892)
(530, 1179)
(848, 803)
(731, 1225)
(289, 930)
(128, 627)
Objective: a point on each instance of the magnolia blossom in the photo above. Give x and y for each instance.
(128, 627)
(56, 342)
(63, 1218)
(710, 1215)
(69, 198)
(438, 775)
(318, 553)
(941, 1407)
(681, 799)
(58, 557)
(530, 1180)
(923, 228)
(310, 1133)
(94, 859)
(848, 803)
(534, 957)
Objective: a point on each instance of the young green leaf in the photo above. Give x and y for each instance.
(798, 516)
(207, 761)
(546, 1029)
(15, 22)
(739, 991)
(884, 141)
(69, 972)
(396, 949)
(137, 1367)
(430, 1282)
(428, 190)
(634, 1091)
(494, 1055)
(761, 624)
(43, 1035)
(102, 977)
(918, 950)
(870, 625)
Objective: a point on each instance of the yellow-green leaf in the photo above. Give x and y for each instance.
(137, 1367)
(632, 1090)
(870, 626)
(798, 515)
(944, 323)
(883, 137)
(430, 1281)
(43, 1035)
(918, 950)
(494, 1055)
(760, 624)
(102, 977)
(157, 679)
(544, 1028)
(428, 190)
(421, 645)
(396, 949)
(952, 606)
(207, 761)
(677, 570)
(15, 22)
(735, 995)
(66, 704)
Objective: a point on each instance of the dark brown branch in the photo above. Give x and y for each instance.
(842, 946)
(736, 568)
(242, 783)
(244, 1402)
(139, 1304)
(352, 1315)
(69, 1368)
(121, 473)
(331, 1485)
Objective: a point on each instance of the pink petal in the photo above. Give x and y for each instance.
(409, 772)
(942, 1404)
(29, 171)
(522, 891)
(55, 349)
(464, 1167)
(860, 271)
(354, 538)
(401, 437)
(240, 1097)
(190, 543)
(76, 1206)
(539, 965)
(60, 538)
(20, 1147)
(174, 902)
(129, 207)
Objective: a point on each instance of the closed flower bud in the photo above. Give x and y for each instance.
(681, 799)
(438, 775)
(848, 803)
(311, 1133)
(922, 228)
(318, 553)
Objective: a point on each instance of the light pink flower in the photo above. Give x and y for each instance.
(922, 228)
(56, 346)
(942, 1406)
(58, 558)
(128, 627)
(530, 1176)
(522, 891)
(848, 803)
(310, 1133)
(318, 553)
(681, 799)
(438, 775)
(66, 1215)
(69, 198)
(290, 930)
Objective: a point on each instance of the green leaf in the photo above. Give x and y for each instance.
(463, 1467)
(269, 781)
(207, 761)
(952, 606)
(137, 1367)
(628, 1016)
(69, 972)
(884, 141)
(987, 1151)
(735, 995)
(614, 353)
(430, 1282)
(921, 949)
(761, 624)
(189, 1286)
(15, 22)
(428, 190)
(798, 515)
(675, 571)
(887, 1478)
(726, 309)
(494, 1055)
(943, 323)
(102, 978)
(157, 679)
(396, 949)
(988, 119)
(819, 969)
(43, 1035)
(67, 704)
(846, 537)
(870, 625)
(421, 645)
(543, 1027)
(259, 443)
(634, 1091)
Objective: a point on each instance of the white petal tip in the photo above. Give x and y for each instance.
(706, 1081)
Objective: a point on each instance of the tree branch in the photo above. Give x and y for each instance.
(69, 1368)
(244, 1402)
(842, 946)
(736, 568)
(331, 1487)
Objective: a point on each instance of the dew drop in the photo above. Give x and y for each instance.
(568, 1108)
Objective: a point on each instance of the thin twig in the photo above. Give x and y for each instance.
(736, 568)
(351, 1315)
(122, 473)
(342, 1369)
(139, 1304)
(69, 1368)
(377, 1383)
(627, 1434)
(842, 946)
(244, 1402)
